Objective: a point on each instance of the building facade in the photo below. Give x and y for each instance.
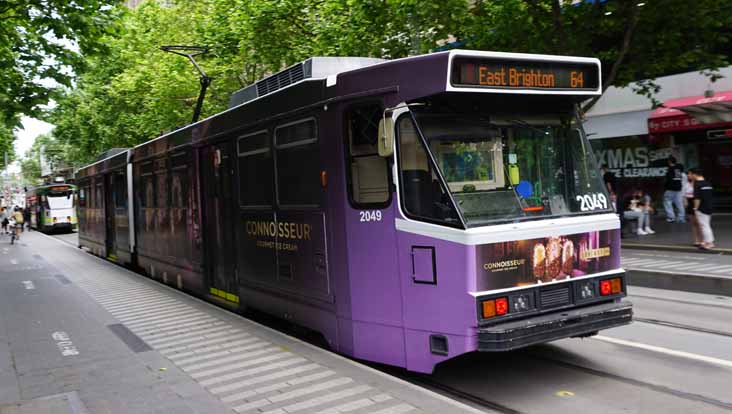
(694, 124)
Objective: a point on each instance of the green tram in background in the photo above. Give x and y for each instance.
(52, 207)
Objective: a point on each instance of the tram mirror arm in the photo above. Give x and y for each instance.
(386, 136)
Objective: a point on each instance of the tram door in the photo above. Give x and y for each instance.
(371, 239)
(217, 170)
(109, 227)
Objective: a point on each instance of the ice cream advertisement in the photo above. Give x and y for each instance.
(548, 259)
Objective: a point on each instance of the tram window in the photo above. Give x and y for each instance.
(179, 180)
(368, 172)
(424, 195)
(98, 196)
(298, 164)
(120, 191)
(256, 173)
(82, 196)
(147, 196)
(160, 189)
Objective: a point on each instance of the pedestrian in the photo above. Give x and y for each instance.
(672, 196)
(27, 216)
(5, 221)
(611, 184)
(637, 207)
(645, 203)
(703, 199)
(688, 190)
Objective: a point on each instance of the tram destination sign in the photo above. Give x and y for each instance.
(522, 74)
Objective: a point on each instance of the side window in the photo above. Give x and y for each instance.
(256, 172)
(82, 196)
(423, 195)
(179, 180)
(98, 196)
(368, 172)
(146, 181)
(90, 193)
(120, 191)
(161, 191)
(298, 164)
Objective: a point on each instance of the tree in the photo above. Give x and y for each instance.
(42, 44)
(634, 40)
(135, 92)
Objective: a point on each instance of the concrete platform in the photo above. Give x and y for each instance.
(677, 237)
(73, 323)
(684, 271)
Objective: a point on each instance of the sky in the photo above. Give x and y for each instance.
(26, 136)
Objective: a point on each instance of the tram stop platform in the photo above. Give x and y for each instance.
(81, 335)
(677, 237)
(669, 260)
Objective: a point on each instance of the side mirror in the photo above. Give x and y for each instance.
(386, 137)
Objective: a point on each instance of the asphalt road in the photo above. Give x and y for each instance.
(675, 358)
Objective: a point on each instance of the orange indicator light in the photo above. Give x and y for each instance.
(616, 286)
(324, 178)
(489, 309)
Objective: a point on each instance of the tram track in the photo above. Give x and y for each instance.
(682, 326)
(481, 402)
(687, 302)
(637, 383)
(452, 392)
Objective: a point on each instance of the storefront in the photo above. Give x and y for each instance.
(634, 140)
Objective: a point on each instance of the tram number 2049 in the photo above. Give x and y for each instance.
(370, 215)
(589, 202)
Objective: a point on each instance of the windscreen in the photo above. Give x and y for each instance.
(58, 201)
(503, 168)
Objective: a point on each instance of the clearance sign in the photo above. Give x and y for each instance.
(501, 73)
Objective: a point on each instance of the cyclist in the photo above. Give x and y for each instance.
(18, 218)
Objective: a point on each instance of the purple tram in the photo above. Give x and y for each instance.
(409, 210)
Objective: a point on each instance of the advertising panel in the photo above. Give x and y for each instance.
(529, 262)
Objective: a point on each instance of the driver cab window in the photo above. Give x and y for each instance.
(422, 193)
(368, 172)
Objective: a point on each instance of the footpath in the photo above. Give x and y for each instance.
(83, 336)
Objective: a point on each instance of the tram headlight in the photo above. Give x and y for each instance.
(587, 290)
(520, 303)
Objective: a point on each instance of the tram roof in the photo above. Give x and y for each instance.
(50, 186)
(400, 80)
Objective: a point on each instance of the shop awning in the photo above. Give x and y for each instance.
(696, 112)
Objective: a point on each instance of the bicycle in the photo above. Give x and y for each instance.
(13, 232)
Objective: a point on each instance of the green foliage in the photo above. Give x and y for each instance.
(53, 151)
(134, 91)
(42, 42)
(633, 43)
